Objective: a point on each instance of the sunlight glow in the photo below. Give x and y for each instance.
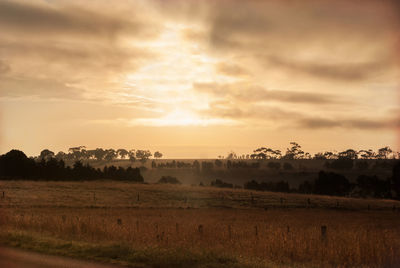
(168, 81)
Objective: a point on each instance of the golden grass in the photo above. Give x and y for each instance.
(227, 222)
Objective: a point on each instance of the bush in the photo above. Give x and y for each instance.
(280, 186)
(169, 179)
(372, 186)
(221, 184)
(329, 183)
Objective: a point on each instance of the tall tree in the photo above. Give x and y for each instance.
(122, 153)
(46, 154)
(143, 155)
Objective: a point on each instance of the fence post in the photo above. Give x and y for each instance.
(323, 233)
(200, 228)
(256, 231)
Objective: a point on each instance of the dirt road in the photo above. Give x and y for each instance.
(16, 258)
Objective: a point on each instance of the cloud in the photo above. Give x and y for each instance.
(277, 117)
(80, 56)
(231, 69)
(4, 68)
(70, 49)
(329, 40)
(342, 71)
(44, 88)
(33, 19)
(348, 123)
(243, 92)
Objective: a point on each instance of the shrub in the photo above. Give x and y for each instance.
(169, 179)
(330, 183)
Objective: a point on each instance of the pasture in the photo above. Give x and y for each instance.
(150, 225)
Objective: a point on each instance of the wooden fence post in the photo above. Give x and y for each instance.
(323, 232)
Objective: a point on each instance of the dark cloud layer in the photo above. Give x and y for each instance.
(301, 36)
(46, 47)
(349, 123)
(39, 19)
(246, 93)
(344, 71)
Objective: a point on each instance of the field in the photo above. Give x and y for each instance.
(150, 225)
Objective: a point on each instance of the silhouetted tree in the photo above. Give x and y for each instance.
(348, 154)
(157, 154)
(143, 155)
(231, 155)
(110, 154)
(122, 153)
(383, 153)
(132, 155)
(99, 154)
(366, 154)
(46, 154)
(77, 153)
(332, 184)
(294, 152)
(372, 186)
(396, 180)
(16, 164)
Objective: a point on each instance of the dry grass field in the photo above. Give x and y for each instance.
(181, 226)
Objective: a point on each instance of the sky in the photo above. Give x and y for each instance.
(197, 79)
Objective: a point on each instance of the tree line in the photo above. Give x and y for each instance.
(295, 151)
(81, 153)
(16, 165)
(331, 183)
